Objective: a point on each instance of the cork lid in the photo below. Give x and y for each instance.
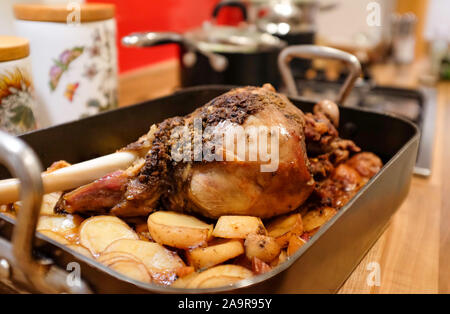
(89, 12)
(13, 48)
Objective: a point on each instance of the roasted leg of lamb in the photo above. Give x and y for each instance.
(308, 151)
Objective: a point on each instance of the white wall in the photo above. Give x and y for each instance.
(348, 22)
(438, 20)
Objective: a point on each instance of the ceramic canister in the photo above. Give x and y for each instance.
(73, 56)
(17, 103)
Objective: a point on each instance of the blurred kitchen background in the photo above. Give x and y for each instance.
(342, 23)
(401, 44)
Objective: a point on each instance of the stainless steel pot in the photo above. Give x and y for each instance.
(287, 17)
(293, 21)
(214, 54)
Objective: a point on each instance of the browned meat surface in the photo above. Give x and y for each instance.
(215, 188)
(98, 196)
(314, 164)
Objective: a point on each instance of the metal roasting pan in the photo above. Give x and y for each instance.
(320, 266)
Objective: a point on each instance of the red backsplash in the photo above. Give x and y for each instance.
(160, 15)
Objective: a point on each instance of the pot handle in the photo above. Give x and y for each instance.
(150, 39)
(236, 4)
(23, 163)
(312, 52)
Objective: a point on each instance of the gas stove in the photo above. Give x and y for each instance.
(416, 105)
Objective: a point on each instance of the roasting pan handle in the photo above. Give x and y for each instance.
(23, 163)
(312, 52)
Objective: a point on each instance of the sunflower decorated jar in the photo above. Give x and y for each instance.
(17, 103)
(73, 57)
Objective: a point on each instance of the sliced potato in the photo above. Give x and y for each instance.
(183, 282)
(55, 236)
(263, 247)
(80, 249)
(238, 227)
(154, 256)
(62, 224)
(48, 203)
(202, 258)
(178, 230)
(316, 218)
(283, 227)
(107, 258)
(295, 242)
(220, 276)
(96, 233)
(132, 269)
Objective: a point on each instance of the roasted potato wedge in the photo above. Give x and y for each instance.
(219, 276)
(178, 230)
(283, 227)
(154, 256)
(206, 257)
(62, 224)
(132, 269)
(262, 247)
(295, 242)
(96, 233)
(238, 227)
(280, 259)
(316, 218)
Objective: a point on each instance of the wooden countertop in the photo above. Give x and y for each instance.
(414, 251)
(413, 254)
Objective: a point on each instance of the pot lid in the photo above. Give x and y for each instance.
(90, 12)
(13, 48)
(232, 39)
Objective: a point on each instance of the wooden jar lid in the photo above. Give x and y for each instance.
(90, 12)
(13, 48)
